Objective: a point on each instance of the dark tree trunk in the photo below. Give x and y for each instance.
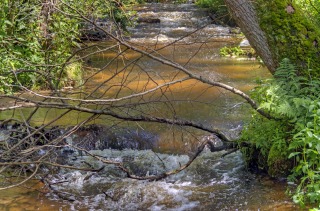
(245, 16)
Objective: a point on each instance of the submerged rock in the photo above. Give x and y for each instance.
(148, 20)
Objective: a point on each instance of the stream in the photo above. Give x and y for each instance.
(211, 182)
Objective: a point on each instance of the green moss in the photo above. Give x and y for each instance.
(291, 34)
(255, 159)
(268, 150)
(278, 163)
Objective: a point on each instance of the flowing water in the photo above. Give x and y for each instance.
(211, 182)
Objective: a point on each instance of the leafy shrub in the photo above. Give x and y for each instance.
(237, 51)
(73, 75)
(231, 51)
(295, 134)
(310, 7)
(219, 10)
(34, 48)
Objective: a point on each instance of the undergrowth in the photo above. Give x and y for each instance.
(237, 51)
(288, 145)
(218, 10)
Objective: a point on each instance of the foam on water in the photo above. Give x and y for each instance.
(135, 195)
(174, 21)
(110, 189)
(159, 38)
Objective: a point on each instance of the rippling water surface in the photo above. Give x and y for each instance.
(211, 182)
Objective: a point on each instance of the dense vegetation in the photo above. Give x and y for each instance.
(290, 144)
(36, 40)
(218, 9)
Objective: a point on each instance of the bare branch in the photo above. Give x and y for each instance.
(177, 66)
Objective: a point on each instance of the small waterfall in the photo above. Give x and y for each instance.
(208, 177)
(167, 22)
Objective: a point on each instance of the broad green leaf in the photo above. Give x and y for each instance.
(293, 154)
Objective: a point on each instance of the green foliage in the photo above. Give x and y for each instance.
(306, 147)
(291, 33)
(278, 162)
(119, 11)
(74, 75)
(295, 135)
(33, 47)
(231, 51)
(311, 8)
(266, 153)
(218, 8)
(237, 51)
(212, 4)
(35, 42)
(18, 45)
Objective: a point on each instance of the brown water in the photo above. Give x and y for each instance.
(211, 183)
(28, 197)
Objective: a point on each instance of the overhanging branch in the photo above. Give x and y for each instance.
(139, 118)
(177, 66)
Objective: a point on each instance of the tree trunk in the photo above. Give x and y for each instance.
(245, 16)
(47, 9)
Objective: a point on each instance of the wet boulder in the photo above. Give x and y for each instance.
(99, 137)
(148, 20)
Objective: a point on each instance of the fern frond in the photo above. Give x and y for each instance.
(286, 71)
(285, 109)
